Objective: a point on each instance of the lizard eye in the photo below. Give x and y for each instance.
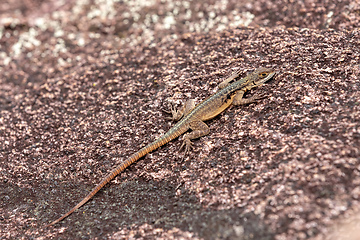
(263, 75)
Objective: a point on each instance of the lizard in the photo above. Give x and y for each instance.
(192, 117)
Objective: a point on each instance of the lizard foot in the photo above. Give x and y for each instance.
(259, 96)
(176, 114)
(242, 101)
(187, 144)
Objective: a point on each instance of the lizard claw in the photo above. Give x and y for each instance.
(187, 144)
(166, 111)
(174, 113)
(260, 96)
(169, 111)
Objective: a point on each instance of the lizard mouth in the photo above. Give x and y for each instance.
(270, 76)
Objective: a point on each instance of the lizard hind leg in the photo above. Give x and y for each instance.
(177, 114)
(199, 129)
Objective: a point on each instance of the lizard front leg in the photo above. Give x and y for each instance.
(229, 79)
(239, 100)
(177, 114)
(199, 129)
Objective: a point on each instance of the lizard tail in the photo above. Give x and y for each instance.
(142, 152)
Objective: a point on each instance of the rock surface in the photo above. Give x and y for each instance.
(83, 84)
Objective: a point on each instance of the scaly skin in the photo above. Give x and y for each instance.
(231, 92)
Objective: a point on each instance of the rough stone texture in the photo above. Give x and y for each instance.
(83, 84)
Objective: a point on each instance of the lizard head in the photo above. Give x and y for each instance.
(261, 75)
